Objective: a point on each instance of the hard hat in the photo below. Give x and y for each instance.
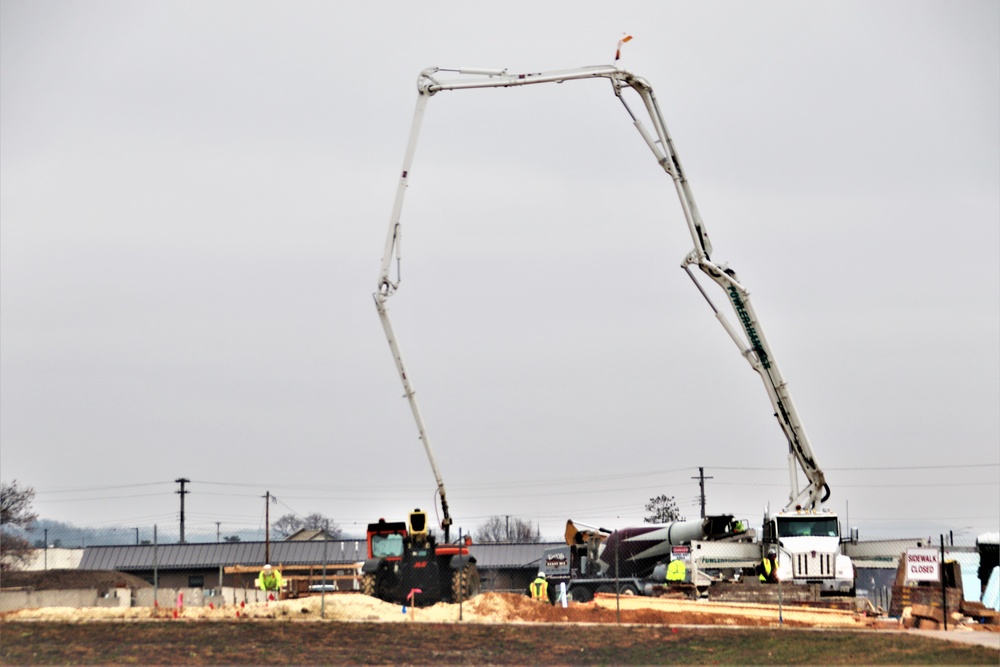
(772, 552)
(267, 568)
(541, 574)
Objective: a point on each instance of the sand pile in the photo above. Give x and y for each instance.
(723, 613)
(489, 608)
(484, 608)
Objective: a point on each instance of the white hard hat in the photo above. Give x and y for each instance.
(541, 574)
(267, 567)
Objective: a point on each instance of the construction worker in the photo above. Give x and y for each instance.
(539, 588)
(677, 570)
(269, 581)
(769, 567)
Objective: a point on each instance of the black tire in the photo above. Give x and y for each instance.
(369, 585)
(580, 594)
(465, 583)
(628, 589)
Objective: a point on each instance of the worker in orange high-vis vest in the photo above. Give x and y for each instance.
(539, 588)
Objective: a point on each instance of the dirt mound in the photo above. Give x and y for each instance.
(54, 580)
(487, 608)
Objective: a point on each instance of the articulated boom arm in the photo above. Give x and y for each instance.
(753, 345)
(757, 352)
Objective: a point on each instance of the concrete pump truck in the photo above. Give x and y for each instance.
(806, 536)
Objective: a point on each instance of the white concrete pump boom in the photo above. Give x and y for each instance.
(752, 343)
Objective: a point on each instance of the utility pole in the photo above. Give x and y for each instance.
(944, 592)
(218, 531)
(268, 499)
(182, 481)
(701, 481)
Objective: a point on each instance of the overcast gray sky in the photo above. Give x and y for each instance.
(194, 201)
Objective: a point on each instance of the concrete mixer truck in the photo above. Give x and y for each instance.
(629, 561)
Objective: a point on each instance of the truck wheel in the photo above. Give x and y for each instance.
(369, 585)
(465, 583)
(580, 594)
(627, 589)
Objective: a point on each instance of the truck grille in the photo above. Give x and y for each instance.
(813, 565)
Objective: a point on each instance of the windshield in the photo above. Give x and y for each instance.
(387, 545)
(808, 527)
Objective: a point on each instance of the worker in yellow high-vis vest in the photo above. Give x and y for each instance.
(269, 581)
(769, 567)
(677, 570)
(539, 588)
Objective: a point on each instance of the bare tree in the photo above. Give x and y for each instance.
(507, 529)
(16, 514)
(664, 510)
(317, 521)
(290, 523)
(286, 525)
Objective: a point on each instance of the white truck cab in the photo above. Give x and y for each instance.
(809, 550)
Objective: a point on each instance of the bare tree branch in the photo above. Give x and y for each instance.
(509, 529)
(15, 505)
(16, 514)
(664, 510)
(290, 523)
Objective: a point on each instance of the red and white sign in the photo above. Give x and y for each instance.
(923, 565)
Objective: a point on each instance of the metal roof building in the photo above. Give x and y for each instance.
(213, 555)
(125, 558)
(501, 566)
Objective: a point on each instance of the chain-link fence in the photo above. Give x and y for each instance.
(62, 548)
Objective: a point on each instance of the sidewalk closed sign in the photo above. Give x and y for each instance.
(923, 565)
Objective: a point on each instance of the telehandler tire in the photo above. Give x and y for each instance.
(465, 583)
(369, 585)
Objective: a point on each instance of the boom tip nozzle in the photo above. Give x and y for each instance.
(625, 39)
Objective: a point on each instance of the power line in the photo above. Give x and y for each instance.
(629, 475)
(928, 518)
(872, 468)
(83, 500)
(348, 494)
(869, 486)
(84, 489)
(549, 482)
